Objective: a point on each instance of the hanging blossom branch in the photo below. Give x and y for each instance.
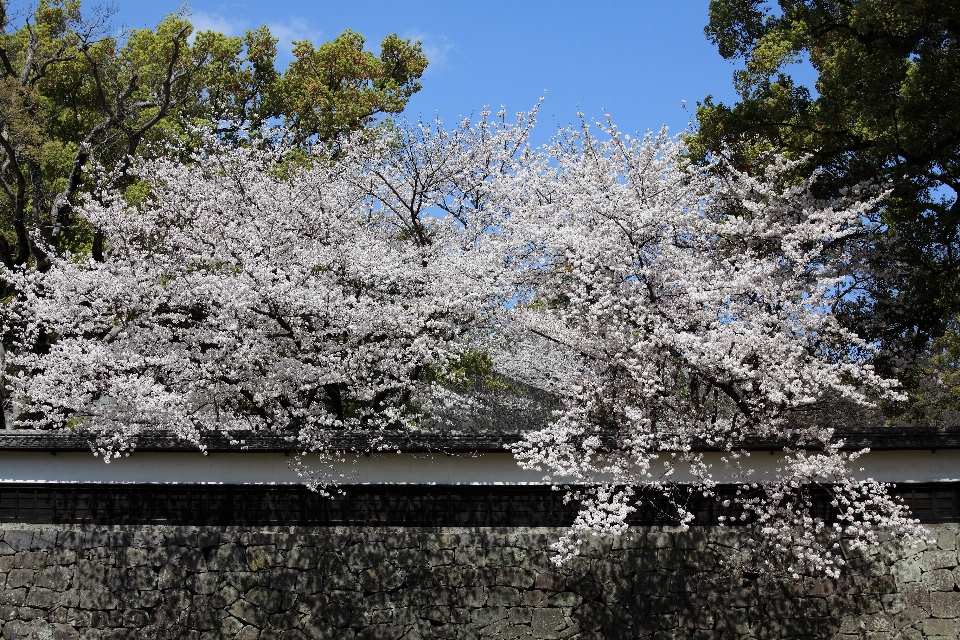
(666, 307)
(693, 311)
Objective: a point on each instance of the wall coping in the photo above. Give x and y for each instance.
(875, 438)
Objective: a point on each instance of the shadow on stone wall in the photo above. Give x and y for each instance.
(146, 582)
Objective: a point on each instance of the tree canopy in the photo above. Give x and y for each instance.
(664, 308)
(667, 305)
(72, 93)
(885, 109)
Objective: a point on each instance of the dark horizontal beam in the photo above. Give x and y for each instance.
(877, 438)
(378, 505)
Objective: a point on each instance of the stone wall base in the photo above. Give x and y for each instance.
(66, 582)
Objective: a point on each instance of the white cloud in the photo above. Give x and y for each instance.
(293, 29)
(202, 21)
(285, 32)
(434, 47)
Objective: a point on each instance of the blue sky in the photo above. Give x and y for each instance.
(635, 60)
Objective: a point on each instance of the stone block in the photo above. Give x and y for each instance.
(819, 588)
(549, 581)
(263, 557)
(945, 604)
(946, 537)
(593, 616)
(893, 603)
(248, 612)
(44, 539)
(180, 537)
(302, 558)
(283, 579)
(90, 573)
(515, 615)
(906, 570)
(332, 564)
(202, 618)
(64, 632)
(317, 628)
(229, 557)
(380, 632)
(18, 539)
(733, 621)
(512, 556)
(488, 615)
(230, 626)
(515, 577)
(916, 595)
(659, 540)
(242, 581)
(882, 584)
(171, 577)
(56, 578)
(435, 541)
(60, 558)
(192, 560)
(363, 556)
(285, 620)
(25, 629)
(937, 559)
(223, 598)
(116, 579)
(267, 599)
(249, 632)
(938, 580)
(565, 599)
(439, 558)
(14, 597)
(471, 597)
(42, 598)
(135, 618)
(545, 622)
(149, 599)
(20, 578)
(31, 559)
(503, 597)
(202, 583)
(940, 627)
(400, 540)
(471, 557)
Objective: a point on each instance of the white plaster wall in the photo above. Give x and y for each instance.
(392, 468)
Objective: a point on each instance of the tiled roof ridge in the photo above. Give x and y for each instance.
(874, 437)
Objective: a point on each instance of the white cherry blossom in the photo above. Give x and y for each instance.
(669, 308)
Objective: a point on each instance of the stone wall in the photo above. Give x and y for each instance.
(150, 581)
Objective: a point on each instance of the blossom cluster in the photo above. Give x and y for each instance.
(668, 307)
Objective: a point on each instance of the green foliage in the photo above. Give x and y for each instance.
(338, 87)
(470, 369)
(71, 93)
(934, 382)
(887, 111)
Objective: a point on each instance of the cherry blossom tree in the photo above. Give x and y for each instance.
(691, 312)
(240, 297)
(667, 309)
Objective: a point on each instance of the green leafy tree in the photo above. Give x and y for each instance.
(70, 94)
(338, 86)
(886, 109)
